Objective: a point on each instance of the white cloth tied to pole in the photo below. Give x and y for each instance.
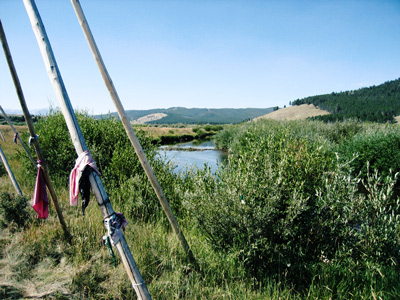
(114, 223)
(84, 159)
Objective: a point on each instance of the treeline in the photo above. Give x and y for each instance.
(17, 119)
(375, 104)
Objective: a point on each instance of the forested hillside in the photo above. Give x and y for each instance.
(200, 115)
(376, 103)
(17, 119)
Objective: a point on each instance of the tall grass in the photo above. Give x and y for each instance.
(284, 219)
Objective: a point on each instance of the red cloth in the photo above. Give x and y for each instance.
(40, 202)
(85, 158)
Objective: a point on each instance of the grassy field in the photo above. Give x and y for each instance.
(159, 131)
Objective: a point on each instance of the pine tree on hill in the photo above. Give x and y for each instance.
(375, 104)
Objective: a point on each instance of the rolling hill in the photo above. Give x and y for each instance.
(183, 115)
(379, 103)
(297, 112)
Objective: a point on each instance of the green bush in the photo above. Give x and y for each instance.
(260, 208)
(13, 209)
(379, 146)
(339, 132)
(285, 206)
(107, 142)
(224, 138)
(208, 127)
(115, 157)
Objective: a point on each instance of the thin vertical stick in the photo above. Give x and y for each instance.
(31, 129)
(80, 145)
(19, 138)
(129, 130)
(2, 136)
(10, 173)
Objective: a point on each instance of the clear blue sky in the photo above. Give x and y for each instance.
(207, 54)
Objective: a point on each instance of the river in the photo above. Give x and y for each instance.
(189, 155)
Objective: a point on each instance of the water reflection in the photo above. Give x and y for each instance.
(189, 155)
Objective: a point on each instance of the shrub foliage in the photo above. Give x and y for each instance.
(13, 209)
(113, 153)
(285, 204)
(286, 208)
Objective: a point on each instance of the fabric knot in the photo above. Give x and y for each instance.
(114, 223)
(32, 138)
(79, 178)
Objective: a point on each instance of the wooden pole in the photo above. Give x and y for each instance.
(129, 130)
(10, 173)
(80, 145)
(2, 136)
(19, 138)
(31, 129)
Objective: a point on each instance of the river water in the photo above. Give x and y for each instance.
(189, 155)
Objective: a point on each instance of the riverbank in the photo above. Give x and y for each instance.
(179, 133)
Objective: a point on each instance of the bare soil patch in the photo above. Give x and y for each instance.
(149, 118)
(296, 112)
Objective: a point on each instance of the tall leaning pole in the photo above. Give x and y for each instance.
(131, 134)
(10, 173)
(80, 146)
(31, 130)
(16, 132)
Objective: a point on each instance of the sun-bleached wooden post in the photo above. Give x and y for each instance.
(18, 136)
(131, 133)
(31, 130)
(10, 173)
(80, 145)
(2, 136)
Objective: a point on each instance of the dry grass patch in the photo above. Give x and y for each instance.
(163, 131)
(297, 112)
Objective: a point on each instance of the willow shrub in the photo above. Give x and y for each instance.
(105, 138)
(360, 249)
(377, 145)
(261, 207)
(285, 205)
(122, 174)
(340, 132)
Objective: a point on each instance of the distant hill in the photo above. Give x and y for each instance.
(41, 112)
(297, 112)
(175, 115)
(376, 103)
